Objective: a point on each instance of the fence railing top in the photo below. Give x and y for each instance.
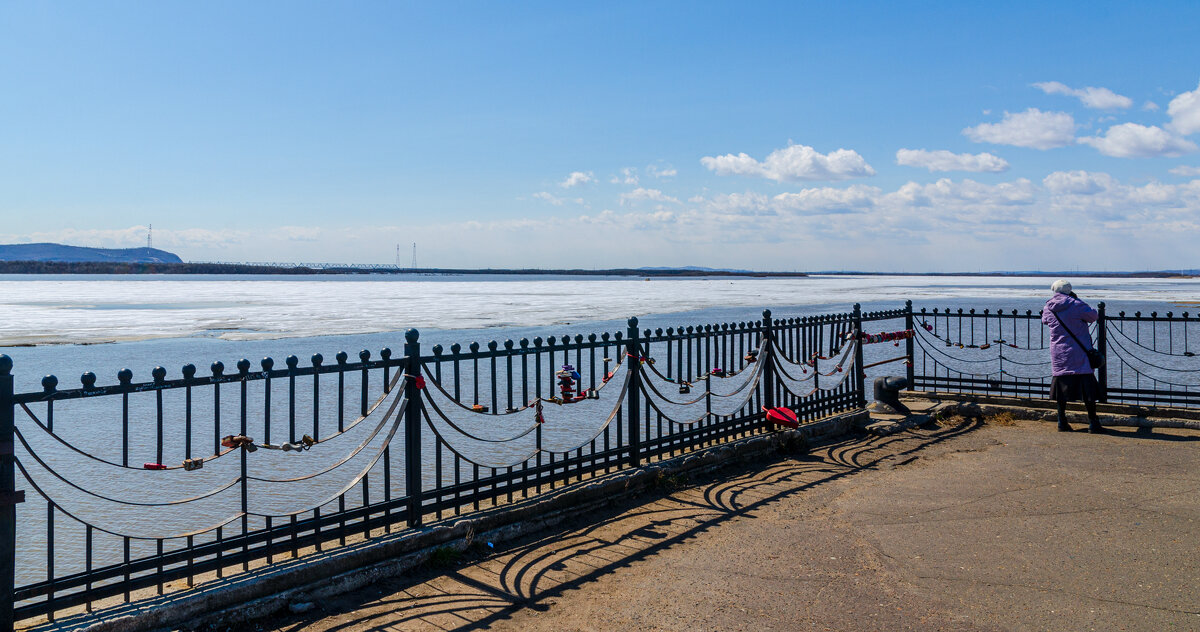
(266, 370)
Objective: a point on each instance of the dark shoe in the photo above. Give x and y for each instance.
(1097, 429)
(1064, 426)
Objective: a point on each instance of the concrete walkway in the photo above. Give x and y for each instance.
(968, 526)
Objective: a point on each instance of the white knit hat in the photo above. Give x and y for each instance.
(1061, 286)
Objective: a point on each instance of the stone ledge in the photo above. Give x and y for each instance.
(259, 594)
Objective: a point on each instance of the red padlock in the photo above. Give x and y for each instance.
(782, 416)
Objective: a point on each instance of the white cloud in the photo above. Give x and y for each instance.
(942, 160)
(1130, 140)
(792, 163)
(1185, 171)
(748, 203)
(1100, 202)
(1150, 106)
(1096, 98)
(653, 195)
(1032, 128)
(577, 178)
(946, 192)
(665, 172)
(1078, 182)
(546, 196)
(628, 176)
(1184, 111)
(852, 199)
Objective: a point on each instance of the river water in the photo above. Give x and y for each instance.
(105, 323)
(65, 325)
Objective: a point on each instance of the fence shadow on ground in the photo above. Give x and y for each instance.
(475, 592)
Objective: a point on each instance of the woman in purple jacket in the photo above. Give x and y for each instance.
(1073, 378)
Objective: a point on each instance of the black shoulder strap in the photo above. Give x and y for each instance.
(1069, 332)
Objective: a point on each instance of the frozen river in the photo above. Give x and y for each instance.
(175, 319)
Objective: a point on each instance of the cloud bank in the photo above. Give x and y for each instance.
(1032, 128)
(792, 163)
(942, 160)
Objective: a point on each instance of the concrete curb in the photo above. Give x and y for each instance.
(262, 593)
(1044, 410)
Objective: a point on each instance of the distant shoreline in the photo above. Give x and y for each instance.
(104, 267)
(118, 268)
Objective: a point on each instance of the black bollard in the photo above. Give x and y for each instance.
(887, 395)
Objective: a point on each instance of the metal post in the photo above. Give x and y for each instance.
(1102, 347)
(909, 345)
(412, 426)
(8, 498)
(859, 375)
(768, 358)
(633, 357)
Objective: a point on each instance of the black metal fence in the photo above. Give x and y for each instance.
(1151, 358)
(140, 488)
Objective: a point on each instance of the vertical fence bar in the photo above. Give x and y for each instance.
(267, 364)
(243, 366)
(412, 426)
(8, 498)
(859, 372)
(386, 354)
(768, 357)
(49, 384)
(633, 355)
(1102, 347)
(910, 345)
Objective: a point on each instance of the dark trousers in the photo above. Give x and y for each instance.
(1065, 388)
(1090, 404)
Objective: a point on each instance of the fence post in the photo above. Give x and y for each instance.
(8, 498)
(859, 372)
(1102, 347)
(909, 345)
(412, 426)
(768, 360)
(633, 357)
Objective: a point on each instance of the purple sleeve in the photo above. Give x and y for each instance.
(1087, 314)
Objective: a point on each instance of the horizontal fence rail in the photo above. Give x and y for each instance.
(111, 493)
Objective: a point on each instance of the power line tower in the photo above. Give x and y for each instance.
(414, 260)
(150, 236)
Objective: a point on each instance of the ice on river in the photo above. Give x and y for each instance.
(86, 309)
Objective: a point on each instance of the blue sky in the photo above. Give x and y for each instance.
(887, 136)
